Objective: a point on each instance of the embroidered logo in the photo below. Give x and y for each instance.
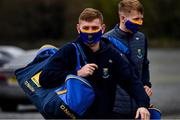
(105, 73)
(110, 61)
(137, 38)
(139, 53)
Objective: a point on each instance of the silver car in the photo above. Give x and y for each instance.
(7, 53)
(10, 93)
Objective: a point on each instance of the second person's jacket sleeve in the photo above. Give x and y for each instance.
(128, 80)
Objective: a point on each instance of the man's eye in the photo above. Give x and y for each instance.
(138, 19)
(86, 28)
(95, 28)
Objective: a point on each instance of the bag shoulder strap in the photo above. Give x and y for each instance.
(124, 49)
(82, 53)
(79, 51)
(119, 45)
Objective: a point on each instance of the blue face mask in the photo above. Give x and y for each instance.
(133, 25)
(91, 38)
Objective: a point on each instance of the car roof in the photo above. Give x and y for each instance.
(12, 51)
(22, 60)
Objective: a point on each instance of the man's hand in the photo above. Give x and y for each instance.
(142, 113)
(148, 90)
(87, 70)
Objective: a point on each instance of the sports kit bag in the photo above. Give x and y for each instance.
(70, 100)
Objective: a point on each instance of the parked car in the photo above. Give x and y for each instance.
(7, 53)
(10, 93)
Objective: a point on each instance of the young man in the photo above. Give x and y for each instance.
(104, 70)
(126, 38)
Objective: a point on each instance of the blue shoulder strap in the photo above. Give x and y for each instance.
(79, 52)
(78, 65)
(82, 53)
(119, 45)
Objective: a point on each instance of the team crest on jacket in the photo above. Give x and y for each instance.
(137, 38)
(139, 53)
(105, 73)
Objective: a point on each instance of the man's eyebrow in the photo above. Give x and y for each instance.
(138, 18)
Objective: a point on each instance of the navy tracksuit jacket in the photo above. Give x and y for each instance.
(137, 45)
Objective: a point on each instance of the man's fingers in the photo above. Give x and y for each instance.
(92, 68)
(142, 115)
(93, 65)
(137, 115)
(149, 92)
(147, 116)
(87, 70)
(90, 71)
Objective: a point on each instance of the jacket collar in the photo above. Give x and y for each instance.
(121, 34)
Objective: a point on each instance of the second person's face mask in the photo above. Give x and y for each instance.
(133, 25)
(91, 38)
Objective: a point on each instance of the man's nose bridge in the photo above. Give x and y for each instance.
(90, 29)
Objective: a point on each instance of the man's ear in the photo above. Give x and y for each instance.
(122, 18)
(103, 28)
(78, 28)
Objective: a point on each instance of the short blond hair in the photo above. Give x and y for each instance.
(89, 14)
(126, 6)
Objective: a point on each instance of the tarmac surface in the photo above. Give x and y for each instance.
(165, 78)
